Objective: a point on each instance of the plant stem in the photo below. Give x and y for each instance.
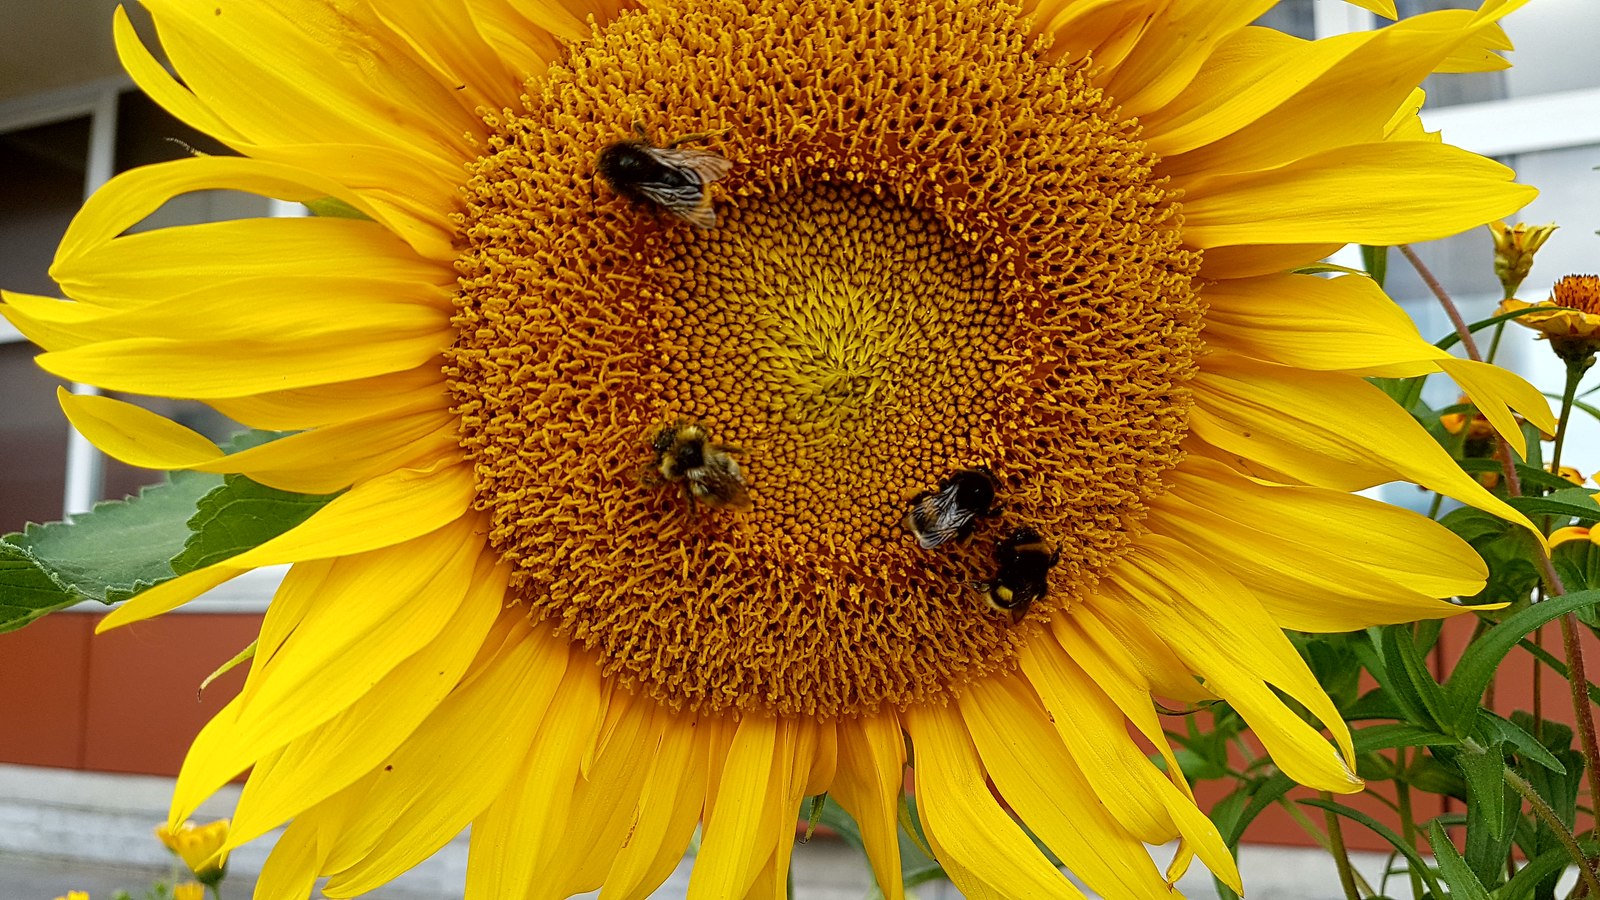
(1494, 343)
(1586, 872)
(1577, 676)
(1341, 857)
(1568, 395)
(1408, 825)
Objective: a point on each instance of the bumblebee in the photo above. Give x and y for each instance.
(708, 473)
(1024, 561)
(963, 497)
(676, 180)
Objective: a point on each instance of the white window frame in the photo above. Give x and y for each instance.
(97, 101)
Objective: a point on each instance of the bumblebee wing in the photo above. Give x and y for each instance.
(720, 487)
(706, 166)
(937, 518)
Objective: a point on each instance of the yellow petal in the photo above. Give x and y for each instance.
(135, 435)
(872, 759)
(453, 766)
(1040, 780)
(1326, 429)
(457, 55)
(1129, 786)
(371, 612)
(132, 196)
(1348, 324)
(336, 456)
(1265, 103)
(326, 404)
(372, 91)
(744, 792)
(514, 840)
(1430, 191)
(342, 750)
(668, 810)
(385, 511)
(1228, 639)
(981, 848)
(609, 793)
(1173, 47)
(1279, 540)
(158, 84)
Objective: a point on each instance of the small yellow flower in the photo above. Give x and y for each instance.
(1570, 474)
(1573, 533)
(189, 890)
(75, 895)
(1570, 319)
(198, 846)
(1514, 247)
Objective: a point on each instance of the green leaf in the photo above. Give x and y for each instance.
(330, 207)
(110, 553)
(1493, 730)
(1574, 501)
(1418, 864)
(1525, 883)
(1528, 475)
(1376, 261)
(239, 515)
(1464, 885)
(1578, 564)
(1550, 659)
(1473, 672)
(1328, 268)
(1408, 676)
(1475, 525)
(1388, 737)
(1486, 790)
(1452, 339)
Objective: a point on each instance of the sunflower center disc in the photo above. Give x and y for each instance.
(935, 252)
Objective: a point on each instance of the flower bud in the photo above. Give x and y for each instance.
(1514, 247)
(198, 846)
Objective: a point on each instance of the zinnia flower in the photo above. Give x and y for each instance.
(1057, 242)
(1570, 319)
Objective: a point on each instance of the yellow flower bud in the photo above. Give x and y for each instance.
(1514, 247)
(189, 890)
(198, 846)
(75, 895)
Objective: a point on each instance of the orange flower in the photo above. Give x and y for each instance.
(1570, 319)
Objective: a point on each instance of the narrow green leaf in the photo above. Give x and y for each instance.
(1328, 268)
(1464, 691)
(1550, 659)
(1474, 525)
(110, 553)
(1486, 792)
(1523, 884)
(1411, 679)
(1464, 885)
(1401, 734)
(1574, 502)
(1530, 476)
(1418, 864)
(239, 515)
(330, 207)
(1494, 730)
(1376, 261)
(1452, 339)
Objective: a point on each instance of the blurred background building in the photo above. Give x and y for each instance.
(92, 729)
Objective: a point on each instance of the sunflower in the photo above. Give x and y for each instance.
(1056, 242)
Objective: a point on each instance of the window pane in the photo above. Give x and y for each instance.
(1291, 17)
(43, 185)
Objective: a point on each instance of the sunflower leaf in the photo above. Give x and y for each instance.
(1454, 338)
(1464, 691)
(1399, 734)
(1409, 678)
(1494, 730)
(238, 515)
(110, 553)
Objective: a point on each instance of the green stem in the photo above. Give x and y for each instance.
(1408, 824)
(1578, 679)
(1341, 857)
(1548, 816)
(1568, 394)
(1494, 342)
(1433, 509)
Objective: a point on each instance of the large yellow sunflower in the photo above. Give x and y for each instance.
(1056, 241)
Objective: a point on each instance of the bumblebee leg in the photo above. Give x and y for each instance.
(642, 131)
